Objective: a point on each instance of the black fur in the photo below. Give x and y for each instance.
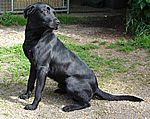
(49, 57)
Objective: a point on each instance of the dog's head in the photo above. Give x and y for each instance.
(42, 15)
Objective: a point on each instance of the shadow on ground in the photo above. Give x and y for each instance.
(11, 91)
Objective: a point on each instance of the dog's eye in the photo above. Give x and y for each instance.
(41, 11)
(48, 8)
(44, 11)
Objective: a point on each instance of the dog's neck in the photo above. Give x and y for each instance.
(48, 31)
(32, 36)
(36, 29)
(34, 33)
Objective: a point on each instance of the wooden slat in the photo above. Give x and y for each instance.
(21, 4)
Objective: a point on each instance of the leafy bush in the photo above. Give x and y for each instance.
(7, 19)
(142, 41)
(66, 19)
(138, 21)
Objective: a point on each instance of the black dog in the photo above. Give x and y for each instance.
(49, 57)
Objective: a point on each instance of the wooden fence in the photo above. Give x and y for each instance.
(19, 5)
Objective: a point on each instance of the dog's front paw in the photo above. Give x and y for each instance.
(30, 107)
(25, 96)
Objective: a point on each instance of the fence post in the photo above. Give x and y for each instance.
(12, 5)
(68, 6)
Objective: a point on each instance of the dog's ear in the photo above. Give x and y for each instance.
(28, 10)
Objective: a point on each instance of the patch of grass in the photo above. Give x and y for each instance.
(7, 19)
(117, 65)
(133, 66)
(81, 48)
(132, 44)
(111, 46)
(66, 39)
(125, 45)
(103, 43)
(142, 42)
(122, 45)
(19, 65)
(19, 20)
(66, 19)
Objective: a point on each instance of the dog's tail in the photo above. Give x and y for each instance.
(111, 97)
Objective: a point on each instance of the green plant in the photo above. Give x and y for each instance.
(18, 63)
(138, 20)
(125, 45)
(142, 41)
(66, 19)
(19, 20)
(7, 19)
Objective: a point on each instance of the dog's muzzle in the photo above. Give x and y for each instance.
(56, 23)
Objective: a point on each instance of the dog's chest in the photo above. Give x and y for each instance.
(41, 53)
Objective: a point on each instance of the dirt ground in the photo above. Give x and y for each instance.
(133, 83)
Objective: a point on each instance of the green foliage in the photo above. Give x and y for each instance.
(138, 21)
(142, 41)
(7, 19)
(66, 19)
(124, 45)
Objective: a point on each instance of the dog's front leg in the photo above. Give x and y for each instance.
(31, 82)
(41, 77)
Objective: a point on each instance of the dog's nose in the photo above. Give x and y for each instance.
(57, 21)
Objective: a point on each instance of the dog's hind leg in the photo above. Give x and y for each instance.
(80, 92)
(61, 88)
(82, 100)
(30, 85)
